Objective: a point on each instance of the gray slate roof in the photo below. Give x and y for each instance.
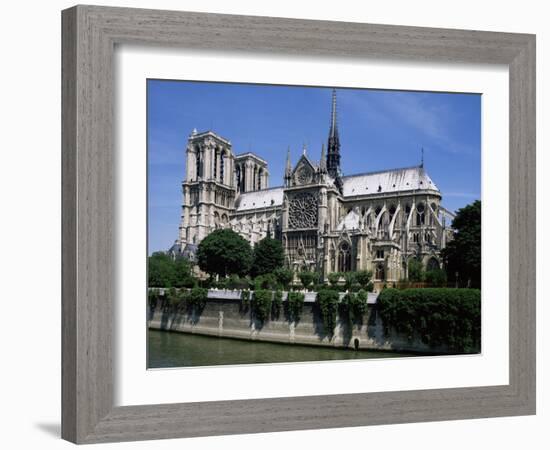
(264, 198)
(387, 181)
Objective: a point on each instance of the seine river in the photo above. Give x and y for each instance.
(178, 350)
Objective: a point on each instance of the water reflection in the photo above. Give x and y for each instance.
(185, 350)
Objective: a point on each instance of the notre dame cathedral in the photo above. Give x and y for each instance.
(326, 221)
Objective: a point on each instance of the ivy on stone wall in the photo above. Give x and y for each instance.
(439, 316)
(261, 304)
(277, 303)
(295, 305)
(328, 306)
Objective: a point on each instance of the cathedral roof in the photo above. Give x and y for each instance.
(388, 181)
(263, 198)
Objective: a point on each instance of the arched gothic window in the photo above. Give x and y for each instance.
(238, 172)
(432, 264)
(199, 163)
(222, 165)
(380, 272)
(260, 175)
(215, 163)
(344, 257)
(420, 216)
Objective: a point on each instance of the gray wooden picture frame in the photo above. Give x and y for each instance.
(90, 34)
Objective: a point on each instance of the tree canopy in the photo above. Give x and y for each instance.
(163, 271)
(463, 254)
(268, 255)
(224, 252)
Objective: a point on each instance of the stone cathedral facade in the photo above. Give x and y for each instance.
(326, 221)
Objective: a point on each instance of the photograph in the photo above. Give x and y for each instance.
(298, 223)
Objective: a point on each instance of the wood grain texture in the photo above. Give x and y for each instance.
(89, 36)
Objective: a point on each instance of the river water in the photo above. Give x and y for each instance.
(168, 349)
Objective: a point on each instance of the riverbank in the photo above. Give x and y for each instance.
(173, 349)
(225, 316)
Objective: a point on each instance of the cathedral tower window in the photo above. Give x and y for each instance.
(198, 163)
(215, 163)
(222, 165)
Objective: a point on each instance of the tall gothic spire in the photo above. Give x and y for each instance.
(333, 155)
(322, 161)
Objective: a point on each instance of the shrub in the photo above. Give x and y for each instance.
(261, 304)
(267, 281)
(349, 279)
(295, 305)
(436, 277)
(277, 302)
(245, 298)
(307, 278)
(284, 277)
(197, 298)
(416, 270)
(235, 282)
(172, 296)
(334, 278)
(363, 277)
(328, 305)
(440, 316)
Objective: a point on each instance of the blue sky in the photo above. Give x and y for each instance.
(378, 130)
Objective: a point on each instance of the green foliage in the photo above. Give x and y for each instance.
(277, 302)
(165, 272)
(328, 306)
(245, 298)
(349, 280)
(172, 296)
(284, 276)
(196, 298)
(440, 316)
(307, 278)
(160, 270)
(261, 304)
(267, 281)
(355, 306)
(236, 282)
(416, 270)
(224, 252)
(152, 295)
(436, 277)
(363, 277)
(295, 305)
(334, 278)
(268, 255)
(463, 253)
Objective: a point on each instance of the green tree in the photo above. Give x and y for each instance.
(182, 273)
(334, 278)
(363, 277)
(436, 277)
(284, 276)
(416, 270)
(160, 270)
(463, 254)
(268, 255)
(349, 280)
(307, 278)
(224, 252)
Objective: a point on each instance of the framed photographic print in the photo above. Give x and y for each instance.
(306, 219)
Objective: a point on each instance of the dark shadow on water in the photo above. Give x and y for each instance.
(53, 429)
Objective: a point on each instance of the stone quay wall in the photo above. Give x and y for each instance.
(225, 315)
